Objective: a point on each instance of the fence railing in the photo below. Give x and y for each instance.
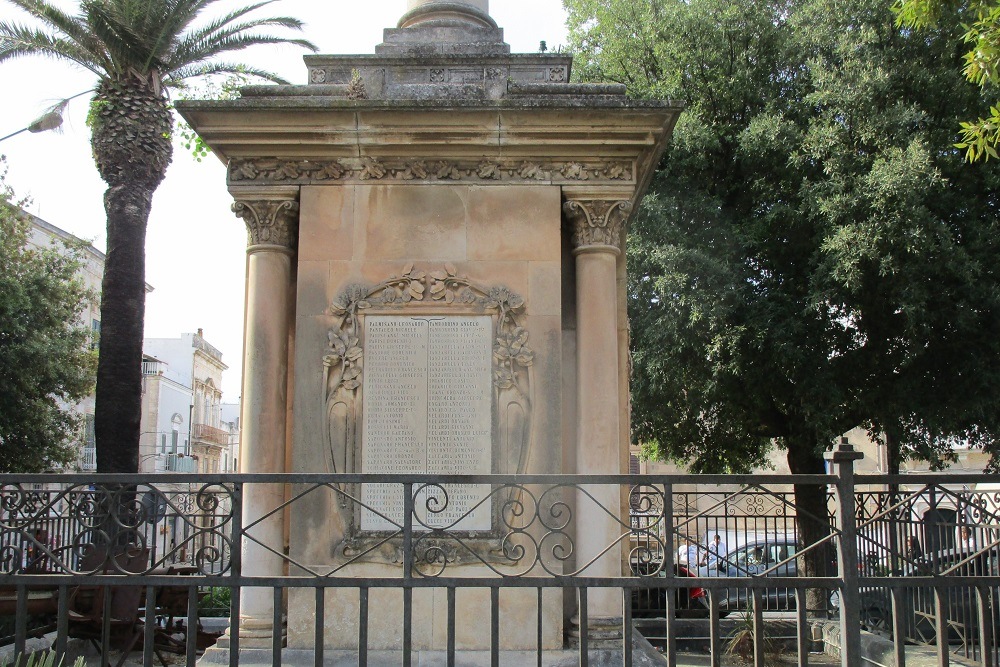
(382, 567)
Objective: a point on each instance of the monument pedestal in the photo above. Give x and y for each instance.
(435, 278)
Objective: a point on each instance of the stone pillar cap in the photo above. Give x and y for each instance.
(447, 13)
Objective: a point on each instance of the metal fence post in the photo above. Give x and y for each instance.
(408, 510)
(843, 458)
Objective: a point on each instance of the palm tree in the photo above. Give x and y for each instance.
(137, 49)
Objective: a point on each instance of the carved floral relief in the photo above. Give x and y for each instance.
(343, 360)
(407, 169)
(269, 221)
(597, 222)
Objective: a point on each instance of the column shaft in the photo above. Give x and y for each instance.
(265, 363)
(597, 236)
(272, 224)
(598, 450)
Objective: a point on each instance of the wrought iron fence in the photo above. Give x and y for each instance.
(372, 558)
(945, 534)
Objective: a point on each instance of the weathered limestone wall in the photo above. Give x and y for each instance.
(490, 237)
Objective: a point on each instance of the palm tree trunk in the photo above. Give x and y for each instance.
(123, 306)
(131, 140)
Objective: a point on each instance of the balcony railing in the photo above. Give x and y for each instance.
(181, 463)
(152, 367)
(211, 434)
(536, 542)
(88, 458)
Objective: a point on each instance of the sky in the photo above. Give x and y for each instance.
(195, 246)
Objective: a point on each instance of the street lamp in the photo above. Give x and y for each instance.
(49, 120)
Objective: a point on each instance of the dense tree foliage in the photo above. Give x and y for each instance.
(981, 26)
(814, 253)
(136, 49)
(45, 360)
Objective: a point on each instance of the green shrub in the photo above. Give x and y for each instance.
(216, 603)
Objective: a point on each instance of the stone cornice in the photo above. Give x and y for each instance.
(270, 222)
(318, 129)
(597, 223)
(480, 171)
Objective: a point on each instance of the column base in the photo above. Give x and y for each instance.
(601, 631)
(254, 633)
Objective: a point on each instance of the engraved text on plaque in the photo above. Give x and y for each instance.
(427, 401)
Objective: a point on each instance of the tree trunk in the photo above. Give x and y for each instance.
(812, 519)
(131, 142)
(896, 522)
(123, 305)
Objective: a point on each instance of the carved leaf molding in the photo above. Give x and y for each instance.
(511, 353)
(373, 169)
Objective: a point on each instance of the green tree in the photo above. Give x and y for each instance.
(814, 254)
(136, 48)
(981, 25)
(45, 360)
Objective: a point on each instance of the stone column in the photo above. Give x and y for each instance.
(597, 233)
(272, 221)
(474, 13)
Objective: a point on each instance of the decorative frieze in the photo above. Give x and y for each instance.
(444, 73)
(270, 221)
(271, 170)
(597, 222)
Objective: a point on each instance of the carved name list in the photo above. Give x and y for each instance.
(427, 399)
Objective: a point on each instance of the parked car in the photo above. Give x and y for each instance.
(770, 556)
(919, 607)
(652, 602)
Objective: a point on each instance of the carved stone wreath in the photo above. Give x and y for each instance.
(511, 354)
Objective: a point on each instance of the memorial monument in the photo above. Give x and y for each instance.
(435, 284)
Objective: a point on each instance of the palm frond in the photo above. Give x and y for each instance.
(197, 47)
(18, 41)
(208, 69)
(126, 48)
(222, 32)
(229, 18)
(73, 27)
(152, 38)
(235, 43)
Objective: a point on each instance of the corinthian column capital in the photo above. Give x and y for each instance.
(270, 222)
(597, 223)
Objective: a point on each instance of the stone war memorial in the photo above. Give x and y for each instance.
(435, 285)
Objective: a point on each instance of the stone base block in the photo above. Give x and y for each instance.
(643, 655)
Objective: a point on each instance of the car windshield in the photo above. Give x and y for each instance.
(764, 554)
(751, 555)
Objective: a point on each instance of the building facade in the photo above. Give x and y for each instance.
(165, 426)
(190, 362)
(44, 235)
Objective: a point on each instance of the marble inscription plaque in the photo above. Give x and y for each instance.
(427, 401)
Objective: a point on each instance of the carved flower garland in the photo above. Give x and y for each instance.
(510, 349)
(345, 350)
(374, 169)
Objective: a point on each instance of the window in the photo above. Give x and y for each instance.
(90, 435)
(95, 340)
